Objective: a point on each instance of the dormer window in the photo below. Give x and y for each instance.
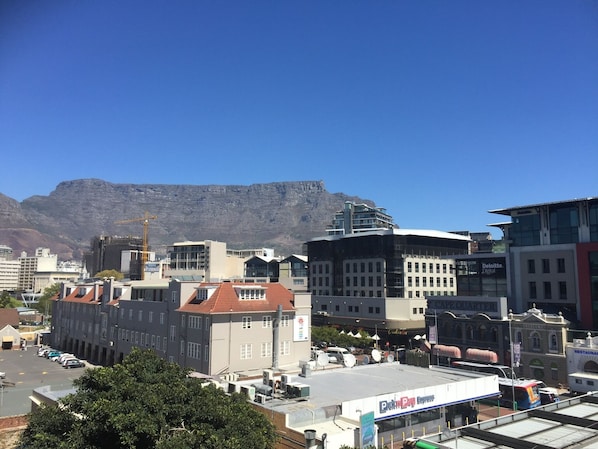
(251, 293)
(204, 293)
(82, 292)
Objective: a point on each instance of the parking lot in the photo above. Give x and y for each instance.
(25, 371)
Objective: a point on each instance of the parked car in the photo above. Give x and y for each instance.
(64, 356)
(52, 355)
(72, 357)
(73, 363)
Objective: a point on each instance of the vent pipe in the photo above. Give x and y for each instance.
(276, 336)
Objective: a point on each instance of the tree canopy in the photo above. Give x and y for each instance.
(146, 402)
(110, 274)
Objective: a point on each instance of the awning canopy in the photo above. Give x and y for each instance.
(447, 351)
(481, 355)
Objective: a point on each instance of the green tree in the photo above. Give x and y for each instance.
(110, 274)
(6, 301)
(146, 402)
(43, 302)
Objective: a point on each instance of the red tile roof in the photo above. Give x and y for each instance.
(87, 298)
(225, 299)
(9, 317)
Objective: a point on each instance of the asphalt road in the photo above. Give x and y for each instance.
(25, 371)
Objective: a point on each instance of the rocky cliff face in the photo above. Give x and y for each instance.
(281, 215)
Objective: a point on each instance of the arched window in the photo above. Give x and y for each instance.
(458, 333)
(590, 367)
(553, 342)
(482, 332)
(470, 334)
(494, 334)
(536, 342)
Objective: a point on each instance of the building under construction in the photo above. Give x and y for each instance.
(123, 254)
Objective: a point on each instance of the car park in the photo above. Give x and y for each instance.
(73, 363)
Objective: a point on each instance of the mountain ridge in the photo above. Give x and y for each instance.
(279, 215)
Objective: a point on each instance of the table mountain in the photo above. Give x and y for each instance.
(279, 215)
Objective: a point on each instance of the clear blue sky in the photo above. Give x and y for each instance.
(436, 110)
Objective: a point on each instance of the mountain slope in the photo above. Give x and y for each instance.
(281, 215)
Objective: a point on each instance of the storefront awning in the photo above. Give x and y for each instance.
(447, 351)
(481, 355)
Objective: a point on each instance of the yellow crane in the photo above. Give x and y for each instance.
(145, 219)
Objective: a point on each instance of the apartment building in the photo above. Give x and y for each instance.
(30, 265)
(552, 255)
(9, 275)
(354, 218)
(212, 328)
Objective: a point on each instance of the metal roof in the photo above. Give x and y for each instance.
(571, 423)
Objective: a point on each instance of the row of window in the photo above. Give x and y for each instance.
(363, 267)
(351, 309)
(545, 264)
(266, 321)
(246, 349)
(533, 343)
(427, 267)
(143, 339)
(547, 290)
(424, 282)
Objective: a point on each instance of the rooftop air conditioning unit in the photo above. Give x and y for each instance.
(260, 398)
(234, 387)
(285, 379)
(268, 376)
(249, 391)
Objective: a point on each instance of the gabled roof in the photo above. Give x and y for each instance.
(296, 256)
(9, 317)
(225, 299)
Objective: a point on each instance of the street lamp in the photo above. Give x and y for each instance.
(512, 360)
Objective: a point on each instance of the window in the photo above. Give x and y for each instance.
(183, 321)
(266, 350)
(182, 347)
(409, 281)
(536, 344)
(246, 351)
(417, 267)
(562, 290)
(560, 265)
(553, 342)
(285, 321)
(545, 265)
(533, 294)
(150, 316)
(172, 332)
(531, 266)
(194, 350)
(285, 348)
(547, 290)
(161, 318)
(266, 321)
(206, 353)
(246, 320)
(409, 267)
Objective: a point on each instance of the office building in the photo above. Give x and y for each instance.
(356, 218)
(381, 278)
(552, 255)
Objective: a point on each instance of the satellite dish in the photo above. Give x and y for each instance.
(349, 360)
(366, 360)
(322, 359)
(390, 358)
(376, 356)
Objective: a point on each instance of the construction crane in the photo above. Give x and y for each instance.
(145, 219)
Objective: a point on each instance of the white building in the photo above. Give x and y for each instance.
(29, 265)
(582, 364)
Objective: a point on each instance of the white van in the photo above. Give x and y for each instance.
(336, 354)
